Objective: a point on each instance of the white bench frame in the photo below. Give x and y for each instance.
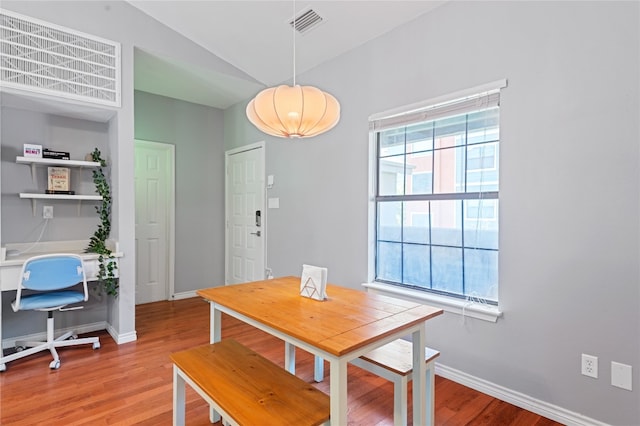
(400, 386)
(400, 381)
(179, 403)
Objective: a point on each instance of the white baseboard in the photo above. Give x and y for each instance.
(36, 337)
(184, 295)
(80, 329)
(518, 399)
(121, 338)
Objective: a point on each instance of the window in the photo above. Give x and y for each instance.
(421, 183)
(436, 198)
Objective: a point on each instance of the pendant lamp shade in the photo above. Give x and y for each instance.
(293, 111)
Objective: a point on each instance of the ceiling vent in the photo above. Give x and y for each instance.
(41, 57)
(306, 20)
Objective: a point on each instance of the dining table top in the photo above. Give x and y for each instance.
(344, 322)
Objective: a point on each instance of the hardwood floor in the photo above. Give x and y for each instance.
(132, 383)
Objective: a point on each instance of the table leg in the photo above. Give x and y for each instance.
(289, 357)
(318, 368)
(419, 377)
(215, 328)
(338, 391)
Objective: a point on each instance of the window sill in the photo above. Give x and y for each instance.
(449, 304)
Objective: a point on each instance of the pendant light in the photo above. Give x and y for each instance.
(293, 111)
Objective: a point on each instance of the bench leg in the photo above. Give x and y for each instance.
(178, 398)
(215, 335)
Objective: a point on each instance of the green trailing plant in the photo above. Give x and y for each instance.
(97, 243)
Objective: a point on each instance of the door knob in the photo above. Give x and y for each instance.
(257, 233)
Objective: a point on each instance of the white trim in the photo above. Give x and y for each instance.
(121, 338)
(184, 295)
(245, 148)
(471, 309)
(371, 212)
(35, 337)
(543, 408)
(487, 87)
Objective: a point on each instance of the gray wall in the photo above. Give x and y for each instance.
(196, 131)
(569, 199)
(78, 137)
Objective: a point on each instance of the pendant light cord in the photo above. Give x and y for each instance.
(294, 43)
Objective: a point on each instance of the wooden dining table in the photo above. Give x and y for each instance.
(348, 324)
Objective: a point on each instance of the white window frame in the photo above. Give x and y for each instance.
(470, 308)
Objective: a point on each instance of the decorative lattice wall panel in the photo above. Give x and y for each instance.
(46, 58)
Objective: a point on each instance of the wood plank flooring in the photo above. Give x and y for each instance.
(132, 383)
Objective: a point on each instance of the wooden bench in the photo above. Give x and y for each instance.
(394, 362)
(245, 388)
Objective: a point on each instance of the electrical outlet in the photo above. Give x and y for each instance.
(590, 365)
(47, 212)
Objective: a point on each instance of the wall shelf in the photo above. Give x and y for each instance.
(51, 161)
(33, 162)
(34, 196)
(60, 196)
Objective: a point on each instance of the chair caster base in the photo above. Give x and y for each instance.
(54, 365)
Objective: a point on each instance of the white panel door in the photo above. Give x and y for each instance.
(245, 233)
(153, 187)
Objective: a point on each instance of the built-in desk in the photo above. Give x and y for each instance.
(12, 257)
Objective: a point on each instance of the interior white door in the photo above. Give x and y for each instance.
(154, 175)
(245, 215)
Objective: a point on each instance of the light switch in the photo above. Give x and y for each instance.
(269, 181)
(273, 203)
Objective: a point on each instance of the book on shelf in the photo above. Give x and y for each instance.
(55, 155)
(32, 151)
(58, 179)
(53, 191)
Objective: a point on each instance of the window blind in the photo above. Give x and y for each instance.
(484, 97)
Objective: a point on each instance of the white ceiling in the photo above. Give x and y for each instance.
(255, 37)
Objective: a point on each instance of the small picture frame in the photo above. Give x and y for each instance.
(58, 180)
(32, 151)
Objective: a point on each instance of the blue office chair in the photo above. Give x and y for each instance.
(48, 279)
